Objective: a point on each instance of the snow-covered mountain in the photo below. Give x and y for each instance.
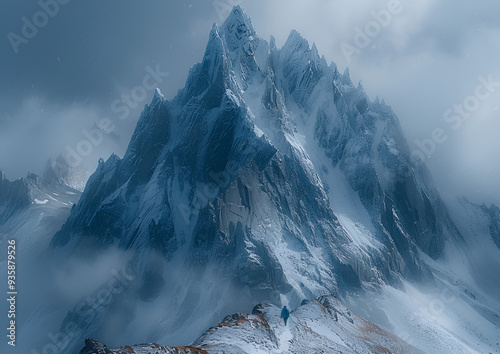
(59, 172)
(32, 209)
(269, 178)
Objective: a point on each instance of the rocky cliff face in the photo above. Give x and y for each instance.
(269, 178)
(15, 196)
(93, 346)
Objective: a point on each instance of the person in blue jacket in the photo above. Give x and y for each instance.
(285, 314)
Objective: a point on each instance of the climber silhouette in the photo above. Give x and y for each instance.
(285, 314)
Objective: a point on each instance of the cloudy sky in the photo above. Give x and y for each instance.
(65, 65)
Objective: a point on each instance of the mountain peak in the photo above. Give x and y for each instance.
(214, 32)
(238, 28)
(296, 41)
(238, 16)
(55, 171)
(158, 95)
(345, 79)
(314, 50)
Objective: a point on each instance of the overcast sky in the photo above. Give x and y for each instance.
(64, 71)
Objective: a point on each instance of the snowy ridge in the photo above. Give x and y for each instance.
(323, 325)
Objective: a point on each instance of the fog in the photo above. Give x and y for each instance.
(50, 287)
(422, 58)
(105, 294)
